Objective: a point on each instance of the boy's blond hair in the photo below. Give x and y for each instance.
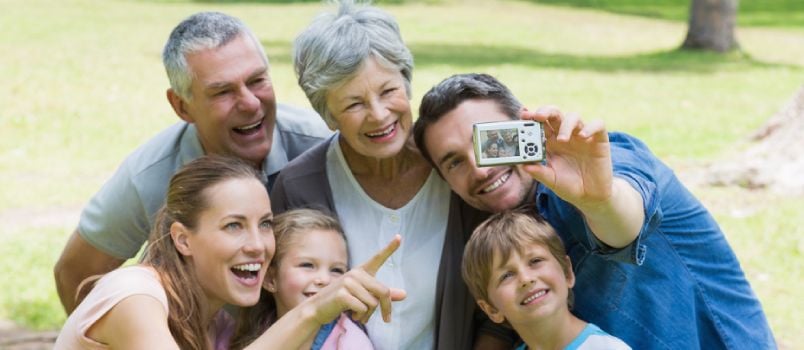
(504, 233)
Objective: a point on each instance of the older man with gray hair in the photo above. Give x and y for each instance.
(221, 89)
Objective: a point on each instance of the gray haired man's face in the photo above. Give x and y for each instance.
(233, 104)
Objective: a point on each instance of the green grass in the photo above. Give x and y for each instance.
(83, 85)
(29, 295)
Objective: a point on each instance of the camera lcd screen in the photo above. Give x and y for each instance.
(499, 143)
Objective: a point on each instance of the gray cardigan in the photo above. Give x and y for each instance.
(303, 183)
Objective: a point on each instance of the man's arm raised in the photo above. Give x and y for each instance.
(79, 260)
(579, 170)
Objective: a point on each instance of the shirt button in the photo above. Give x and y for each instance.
(394, 218)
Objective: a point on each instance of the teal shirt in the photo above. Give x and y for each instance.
(592, 338)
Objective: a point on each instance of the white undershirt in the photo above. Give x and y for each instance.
(369, 226)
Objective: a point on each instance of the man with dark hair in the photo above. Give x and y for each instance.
(611, 201)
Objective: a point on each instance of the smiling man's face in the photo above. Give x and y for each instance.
(449, 143)
(233, 104)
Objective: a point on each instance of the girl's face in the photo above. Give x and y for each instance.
(372, 111)
(529, 288)
(233, 242)
(313, 259)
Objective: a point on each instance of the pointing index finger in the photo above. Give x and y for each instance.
(373, 265)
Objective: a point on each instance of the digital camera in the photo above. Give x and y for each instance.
(508, 142)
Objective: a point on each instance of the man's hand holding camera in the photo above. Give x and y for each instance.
(578, 165)
(579, 170)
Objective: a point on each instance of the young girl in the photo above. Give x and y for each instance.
(517, 270)
(310, 253)
(211, 245)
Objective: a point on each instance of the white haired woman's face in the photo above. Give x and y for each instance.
(372, 110)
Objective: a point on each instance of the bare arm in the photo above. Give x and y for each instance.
(136, 322)
(79, 260)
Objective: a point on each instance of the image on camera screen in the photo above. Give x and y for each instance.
(499, 143)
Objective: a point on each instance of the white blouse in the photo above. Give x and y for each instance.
(369, 226)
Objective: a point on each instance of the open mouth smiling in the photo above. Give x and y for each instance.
(497, 183)
(533, 297)
(384, 132)
(249, 129)
(247, 272)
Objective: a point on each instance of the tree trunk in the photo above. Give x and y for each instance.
(711, 25)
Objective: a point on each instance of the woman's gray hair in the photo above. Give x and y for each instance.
(201, 31)
(335, 45)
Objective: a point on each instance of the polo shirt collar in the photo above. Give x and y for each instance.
(278, 156)
(190, 145)
(276, 160)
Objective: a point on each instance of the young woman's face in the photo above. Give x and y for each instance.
(233, 243)
(312, 260)
(372, 111)
(528, 288)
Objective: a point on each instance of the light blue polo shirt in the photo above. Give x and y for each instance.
(117, 220)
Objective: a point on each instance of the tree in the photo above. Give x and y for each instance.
(711, 25)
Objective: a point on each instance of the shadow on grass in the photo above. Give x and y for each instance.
(377, 2)
(495, 55)
(675, 10)
(774, 13)
(657, 61)
(253, 1)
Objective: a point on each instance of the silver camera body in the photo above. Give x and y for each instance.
(508, 142)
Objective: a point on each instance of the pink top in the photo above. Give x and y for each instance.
(346, 335)
(111, 289)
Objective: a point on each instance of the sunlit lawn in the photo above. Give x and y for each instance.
(83, 85)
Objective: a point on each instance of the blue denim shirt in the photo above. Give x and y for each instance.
(678, 285)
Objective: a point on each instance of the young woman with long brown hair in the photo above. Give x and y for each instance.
(211, 246)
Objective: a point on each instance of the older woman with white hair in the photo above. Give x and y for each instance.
(356, 71)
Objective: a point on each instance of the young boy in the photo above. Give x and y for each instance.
(517, 270)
